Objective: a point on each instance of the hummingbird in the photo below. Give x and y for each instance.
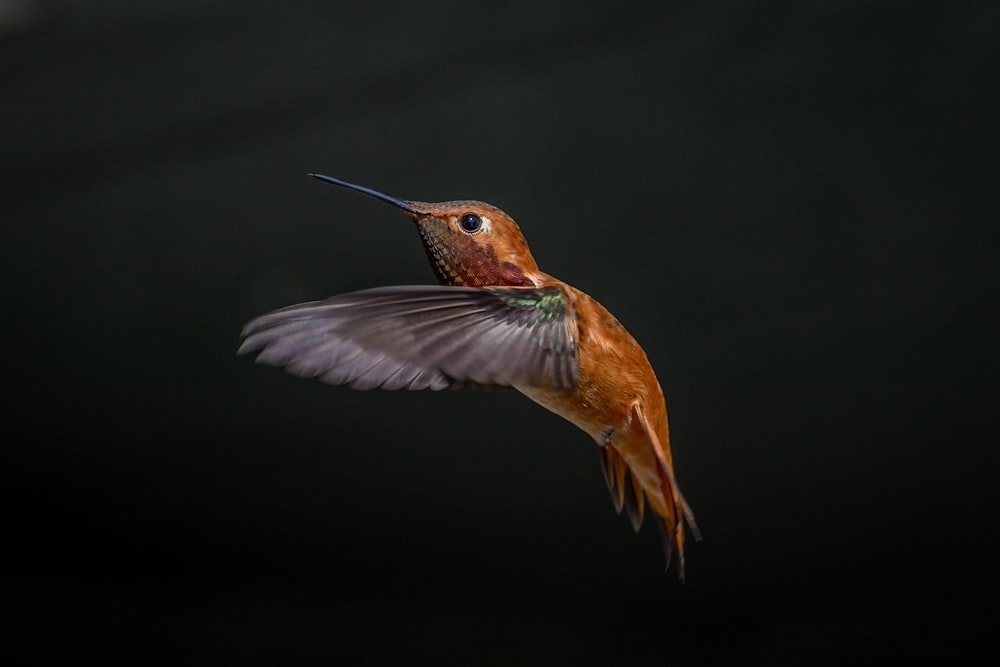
(495, 320)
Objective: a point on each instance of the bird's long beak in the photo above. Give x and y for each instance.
(408, 206)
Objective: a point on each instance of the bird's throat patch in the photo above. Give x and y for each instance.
(462, 261)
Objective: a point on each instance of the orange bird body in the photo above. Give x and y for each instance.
(495, 320)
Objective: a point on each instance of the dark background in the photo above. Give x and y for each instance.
(791, 205)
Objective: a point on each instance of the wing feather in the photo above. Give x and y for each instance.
(419, 337)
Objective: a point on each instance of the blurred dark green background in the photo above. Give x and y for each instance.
(791, 205)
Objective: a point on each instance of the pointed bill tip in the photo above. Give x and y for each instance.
(329, 179)
(395, 201)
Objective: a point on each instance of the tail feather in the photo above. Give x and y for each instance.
(638, 470)
(634, 501)
(624, 487)
(611, 466)
(679, 512)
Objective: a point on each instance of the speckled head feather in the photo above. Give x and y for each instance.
(474, 244)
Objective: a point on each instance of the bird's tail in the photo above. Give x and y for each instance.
(626, 480)
(672, 525)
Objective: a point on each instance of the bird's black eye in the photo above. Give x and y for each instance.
(470, 222)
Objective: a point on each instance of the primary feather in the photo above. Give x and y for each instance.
(423, 337)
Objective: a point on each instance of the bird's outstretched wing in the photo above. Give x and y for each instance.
(425, 337)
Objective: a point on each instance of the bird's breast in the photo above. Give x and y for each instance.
(614, 373)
